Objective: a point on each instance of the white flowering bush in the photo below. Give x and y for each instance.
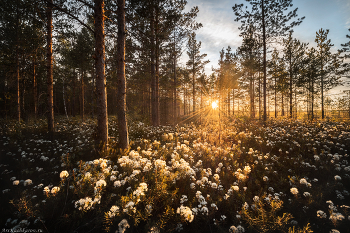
(288, 176)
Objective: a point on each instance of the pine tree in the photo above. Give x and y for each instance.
(102, 117)
(195, 63)
(269, 16)
(294, 51)
(346, 55)
(121, 93)
(248, 54)
(50, 116)
(328, 64)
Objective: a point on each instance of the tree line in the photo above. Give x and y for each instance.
(117, 57)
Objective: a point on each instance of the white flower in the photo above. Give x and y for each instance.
(265, 178)
(28, 182)
(338, 178)
(113, 211)
(216, 177)
(247, 170)
(64, 174)
(185, 212)
(87, 175)
(123, 225)
(101, 183)
(103, 165)
(54, 190)
(306, 194)
(46, 190)
(303, 181)
(15, 182)
(294, 191)
(238, 229)
(129, 207)
(245, 205)
(117, 183)
(321, 214)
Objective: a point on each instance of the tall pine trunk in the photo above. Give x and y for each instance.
(154, 96)
(50, 114)
(264, 57)
(259, 93)
(233, 102)
(73, 98)
(82, 106)
(175, 94)
(35, 89)
(251, 88)
(229, 102)
(290, 87)
(18, 92)
(322, 95)
(64, 98)
(102, 117)
(121, 81)
(282, 104)
(17, 65)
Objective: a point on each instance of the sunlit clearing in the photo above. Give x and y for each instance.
(214, 104)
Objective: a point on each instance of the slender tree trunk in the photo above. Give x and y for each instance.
(295, 104)
(64, 99)
(18, 85)
(193, 91)
(82, 106)
(17, 65)
(251, 87)
(193, 82)
(259, 93)
(175, 94)
(290, 87)
(282, 104)
(275, 97)
(50, 115)
(92, 92)
(264, 57)
(157, 100)
(73, 98)
(253, 98)
(121, 83)
(154, 97)
(185, 101)
(102, 116)
(35, 93)
(322, 96)
(228, 102)
(233, 102)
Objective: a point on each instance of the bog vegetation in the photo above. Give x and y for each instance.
(138, 140)
(290, 176)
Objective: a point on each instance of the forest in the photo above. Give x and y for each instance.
(109, 121)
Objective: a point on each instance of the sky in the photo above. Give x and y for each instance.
(220, 30)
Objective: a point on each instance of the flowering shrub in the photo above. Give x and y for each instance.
(288, 176)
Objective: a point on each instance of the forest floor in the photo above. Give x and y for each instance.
(232, 175)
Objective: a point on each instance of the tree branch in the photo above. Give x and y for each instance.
(73, 16)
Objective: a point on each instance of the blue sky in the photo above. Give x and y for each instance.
(220, 30)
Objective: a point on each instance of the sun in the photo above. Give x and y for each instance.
(214, 104)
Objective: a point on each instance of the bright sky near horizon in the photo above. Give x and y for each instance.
(220, 30)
